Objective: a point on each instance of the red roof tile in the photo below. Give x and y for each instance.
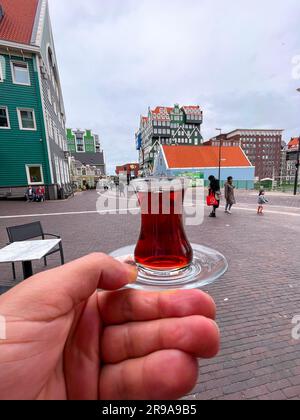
(191, 107)
(162, 109)
(204, 157)
(18, 21)
(294, 143)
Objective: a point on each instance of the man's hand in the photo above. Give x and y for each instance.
(66, 340)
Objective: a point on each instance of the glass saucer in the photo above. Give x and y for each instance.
(208, 266)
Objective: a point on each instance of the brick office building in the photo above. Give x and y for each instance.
(262, 147)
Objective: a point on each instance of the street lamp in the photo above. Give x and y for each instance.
(220, 152)
(297, 164)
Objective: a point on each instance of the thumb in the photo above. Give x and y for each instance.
(65, 287)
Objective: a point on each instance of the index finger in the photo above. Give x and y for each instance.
(132, 306)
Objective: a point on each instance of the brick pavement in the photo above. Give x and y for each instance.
(256, 299)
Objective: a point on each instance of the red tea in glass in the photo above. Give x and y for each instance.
(162, 245)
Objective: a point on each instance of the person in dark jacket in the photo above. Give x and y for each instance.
(214, 188)
(30, 194)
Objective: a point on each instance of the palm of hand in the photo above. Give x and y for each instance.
(54, 346)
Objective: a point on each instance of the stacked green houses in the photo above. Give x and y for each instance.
(175, 126)
(32, 116)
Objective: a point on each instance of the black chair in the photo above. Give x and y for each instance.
(31, 231)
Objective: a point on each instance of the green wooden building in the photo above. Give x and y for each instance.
(32, 116)
(84, 146)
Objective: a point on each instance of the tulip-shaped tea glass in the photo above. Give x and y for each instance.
(163, 253)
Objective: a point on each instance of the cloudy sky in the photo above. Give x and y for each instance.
(237, 59)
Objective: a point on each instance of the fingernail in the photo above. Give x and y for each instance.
(133, 272)
(169, 292)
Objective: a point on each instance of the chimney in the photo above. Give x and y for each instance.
(1, 13)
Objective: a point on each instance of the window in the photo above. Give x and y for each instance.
(80, 145)
(20, 73)
(66, 172)
(54, 132)
(26, 119)
(4, 118)
(58, 176)
(49, 96)
(1, 70)
(34, 174)
(50, 127)
(62, 172)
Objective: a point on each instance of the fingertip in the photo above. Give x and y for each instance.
(212, 333)
(187, 303)
(114, 274)
(206, 300)
(132, 273)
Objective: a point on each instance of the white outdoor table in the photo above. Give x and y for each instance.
(26, 252)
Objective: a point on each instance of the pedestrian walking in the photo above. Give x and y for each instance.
(121, 189)
(229, 194)
(261, 201)
(214, 196)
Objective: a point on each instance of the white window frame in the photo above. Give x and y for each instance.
(49, 95)
(78, 151)
(7, 116)
(19, 110)
(12, 63)
(1, 73)
(58, 175)
(28, 174)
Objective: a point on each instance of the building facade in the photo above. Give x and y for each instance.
(84, 176)
(289, 159)
(130, 169)
(32, 114)
(262, 147)
(167, 126)
(85, 147)
(204, 161)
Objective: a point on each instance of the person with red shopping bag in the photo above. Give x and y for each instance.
(214, 195)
